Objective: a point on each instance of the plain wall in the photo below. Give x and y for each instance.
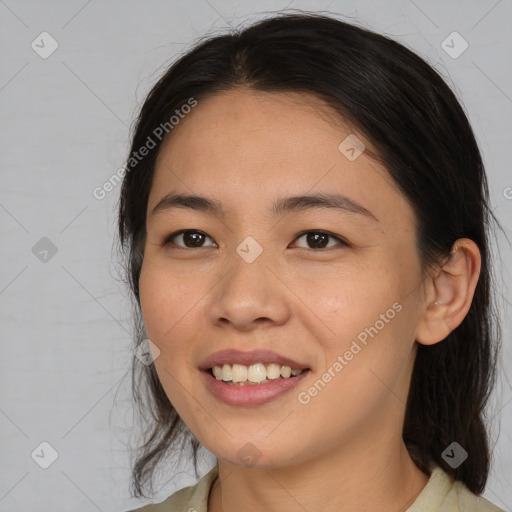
(65, 325)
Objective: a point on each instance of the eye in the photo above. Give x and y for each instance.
(189, 236)
(195, 239)
(319, 239)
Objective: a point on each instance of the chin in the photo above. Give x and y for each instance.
(251, 456)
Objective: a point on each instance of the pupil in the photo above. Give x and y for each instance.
(314, 238)
(194, 237)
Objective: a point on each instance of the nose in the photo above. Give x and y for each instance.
(250, 296)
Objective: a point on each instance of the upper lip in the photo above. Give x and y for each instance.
(248, 358)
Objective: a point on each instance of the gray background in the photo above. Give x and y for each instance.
(66, 345)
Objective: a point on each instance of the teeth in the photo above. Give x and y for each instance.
(256, 373)
(286, 371)
(273, 371)
(239, 373)
(226, 372)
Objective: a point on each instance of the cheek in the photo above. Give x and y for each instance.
(171, 311)
(362, 323)
(162, 306)
(339, 304)
(153, 303)
(167, 310)
(164, 301)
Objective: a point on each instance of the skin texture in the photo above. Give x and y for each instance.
(343, 450)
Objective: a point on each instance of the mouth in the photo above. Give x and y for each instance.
(245, 393)
(252, 378)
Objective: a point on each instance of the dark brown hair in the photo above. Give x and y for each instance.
(422, 136)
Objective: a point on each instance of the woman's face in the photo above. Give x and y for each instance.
(337, 290)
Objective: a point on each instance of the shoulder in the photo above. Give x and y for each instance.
(471, 502)
(444, 494)
(189, 499)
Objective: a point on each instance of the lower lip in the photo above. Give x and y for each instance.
(248, 394)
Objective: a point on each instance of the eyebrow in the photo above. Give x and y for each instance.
(282, 205)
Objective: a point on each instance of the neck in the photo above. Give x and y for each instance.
(340, 481)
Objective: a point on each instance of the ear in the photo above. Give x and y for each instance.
(449, 293)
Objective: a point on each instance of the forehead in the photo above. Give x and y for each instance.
(250, 147)
(239, 113)
(244, 129)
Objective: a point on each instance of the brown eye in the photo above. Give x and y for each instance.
(191, 238)
(319, 239)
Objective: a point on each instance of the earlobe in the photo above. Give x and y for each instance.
(450, 293)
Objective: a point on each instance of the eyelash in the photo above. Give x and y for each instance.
(168, 239)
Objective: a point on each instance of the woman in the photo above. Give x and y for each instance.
(305, 212)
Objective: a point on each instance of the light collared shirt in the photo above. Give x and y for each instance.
(441, 494)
